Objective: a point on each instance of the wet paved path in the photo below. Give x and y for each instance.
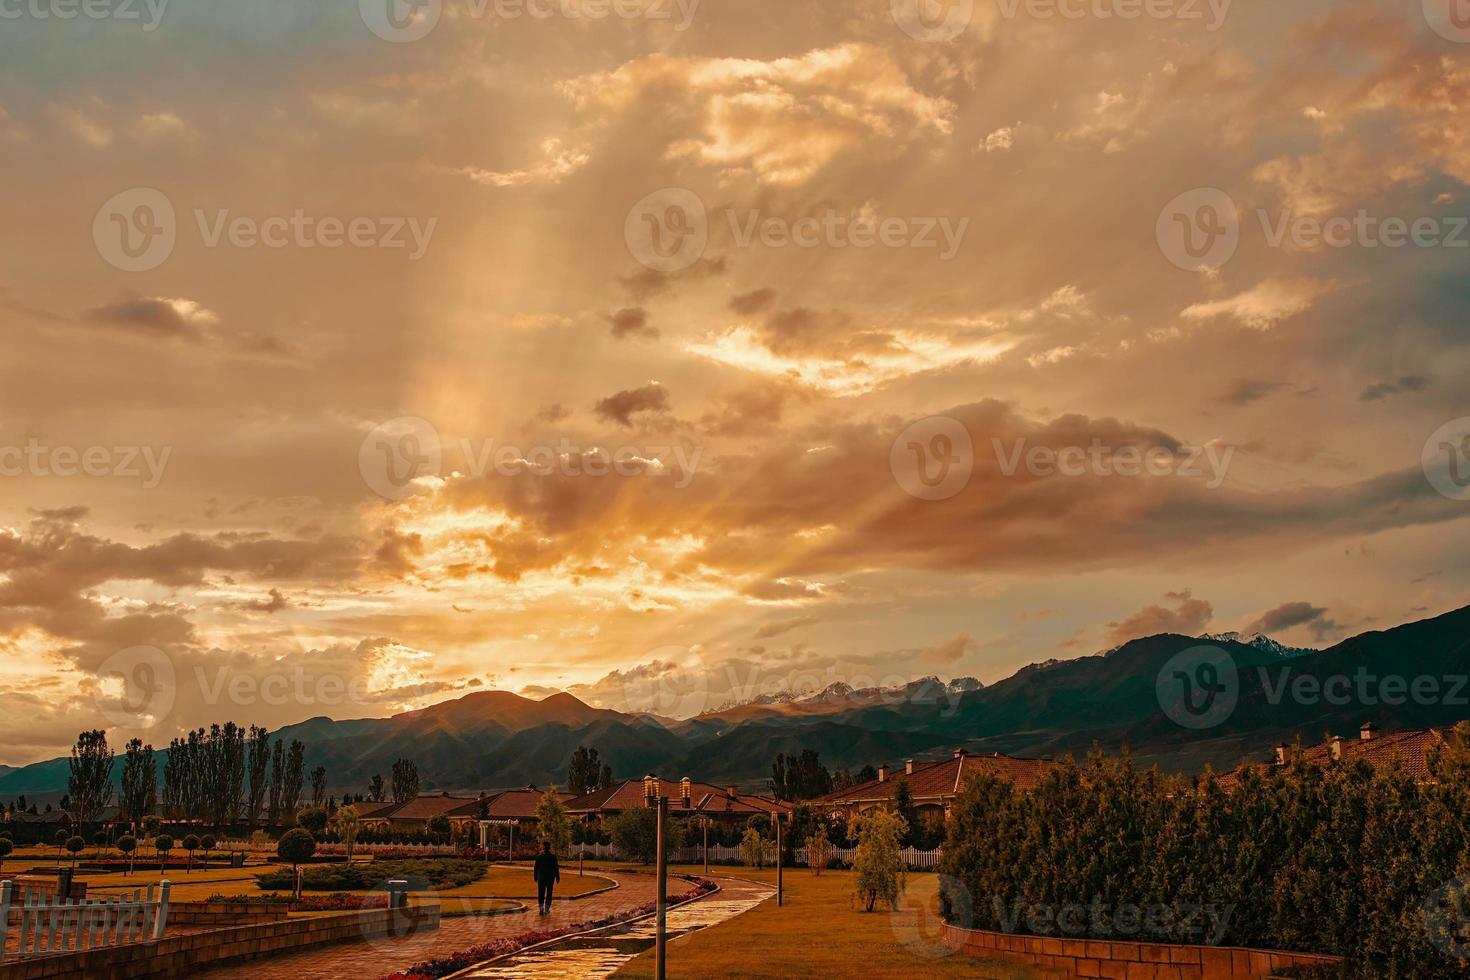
(597, 957)
(381, 957)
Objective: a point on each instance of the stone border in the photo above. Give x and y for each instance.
(184, 955)
(1104, 958)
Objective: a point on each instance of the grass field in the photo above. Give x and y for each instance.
(820, 932)
(500, 888)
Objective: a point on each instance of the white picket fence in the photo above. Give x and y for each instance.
(47, 925)
(695, 854)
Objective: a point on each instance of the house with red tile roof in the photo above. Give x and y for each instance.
(414, 815)
(934, 785)
(1410, 748)
(685, 796)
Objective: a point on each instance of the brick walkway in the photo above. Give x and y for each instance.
(379, 958)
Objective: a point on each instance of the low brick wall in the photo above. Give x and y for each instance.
(183, 956)
(44, 885)
(220, 915)
(1128, 961)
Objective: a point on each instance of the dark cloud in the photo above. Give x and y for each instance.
(1243, 391)
(950, 650)
(747, 304)
(1188, 618)
(1290, 615)
(631, 322)
(784, 626)
(153, 317)
(621, 408)
(1387, 389)
(647, 283)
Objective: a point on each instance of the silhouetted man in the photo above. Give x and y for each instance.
(547, 873)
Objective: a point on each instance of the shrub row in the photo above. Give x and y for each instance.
(1340, 859)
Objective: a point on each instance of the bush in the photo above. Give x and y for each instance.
(422, 874)
(635, 834)
(1341, 859)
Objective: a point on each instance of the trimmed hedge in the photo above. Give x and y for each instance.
(1372, 865)
(421, 874)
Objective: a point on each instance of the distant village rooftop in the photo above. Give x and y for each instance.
(936, 784)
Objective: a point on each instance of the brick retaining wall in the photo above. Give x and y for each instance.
(45, 885)
(183, 956)
(223, 914)
(1128, 961)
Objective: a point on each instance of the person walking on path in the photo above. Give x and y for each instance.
(547, 874)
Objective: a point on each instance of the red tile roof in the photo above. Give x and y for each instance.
(945, 778)
(514, 804)
(428, 807)
(374, 811)
(703, 798)
(1408, 748)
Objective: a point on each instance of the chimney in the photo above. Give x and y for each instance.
(1368, 732)
(650, 789)
(882, 774)
(1281, 751)
(730, 792)
(684, 796)
(1335, 746)
(959, 753)
(908, 768)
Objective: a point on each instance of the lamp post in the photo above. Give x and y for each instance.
(652, 797)
(776, 816)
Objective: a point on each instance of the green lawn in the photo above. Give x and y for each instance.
(821, 932)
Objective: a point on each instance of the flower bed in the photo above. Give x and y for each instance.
(337, 902)
(464, 959)
(422, 874)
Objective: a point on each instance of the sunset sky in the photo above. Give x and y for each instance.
(763, 532)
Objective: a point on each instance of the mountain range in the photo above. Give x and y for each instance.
(496, 739)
